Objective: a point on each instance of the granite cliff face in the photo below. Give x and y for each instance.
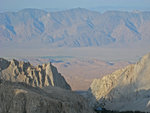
(22, 98)
(39, 76)
(125, 89)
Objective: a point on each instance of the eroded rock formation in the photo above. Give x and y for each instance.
(39, 76)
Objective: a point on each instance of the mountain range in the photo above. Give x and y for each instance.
(73, 28)
(79, 73)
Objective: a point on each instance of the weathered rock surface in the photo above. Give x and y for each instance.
(39, 76)
(23, 98)
(125, 89)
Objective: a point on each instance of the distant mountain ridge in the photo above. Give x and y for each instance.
(74, 28)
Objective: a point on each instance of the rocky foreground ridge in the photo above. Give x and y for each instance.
(127, 89)
(22, 98)
(39, 76)
(25, 88)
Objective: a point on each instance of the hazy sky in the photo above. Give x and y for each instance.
(67, 4)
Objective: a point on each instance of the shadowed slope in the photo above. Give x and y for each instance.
(22, 98)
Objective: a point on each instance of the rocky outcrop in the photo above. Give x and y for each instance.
(39, 76)
(28, 89)
(22, 98)
(125, 89)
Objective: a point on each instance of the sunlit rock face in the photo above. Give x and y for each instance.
(36, 76)
(125, 89)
